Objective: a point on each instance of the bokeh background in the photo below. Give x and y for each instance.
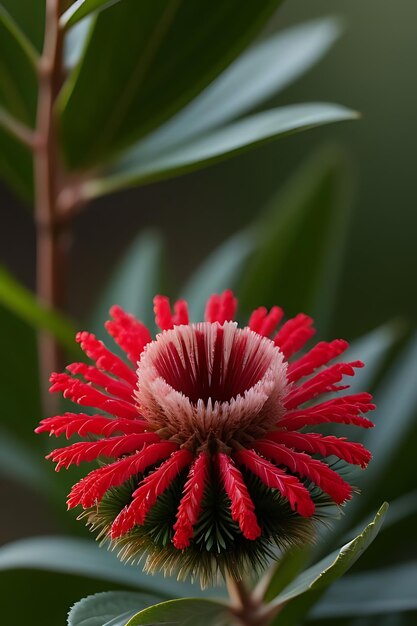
(371, 69)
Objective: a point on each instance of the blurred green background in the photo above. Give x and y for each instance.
(370, 69)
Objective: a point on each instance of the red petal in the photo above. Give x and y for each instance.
(190, 507)
(118, 388)
(324, 382)
(349, 451)
(320, 355)
(343, 410)
(242, 507)
(86, 395)
(221, 308)
(128, 332)
(90, 450)
(145, 497)
(163, 316)
(105, 360)
(289, 486)
(83, 424)
(92, 488)
(294, 334)
(265, 323)
(302, 464)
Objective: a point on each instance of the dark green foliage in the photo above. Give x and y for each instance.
(218, 544)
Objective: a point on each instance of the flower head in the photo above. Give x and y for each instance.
(206, 463)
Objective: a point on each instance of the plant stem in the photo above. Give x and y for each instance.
(51, 230)
(249, 610)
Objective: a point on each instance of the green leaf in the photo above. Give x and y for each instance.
(18, 85)
(221, 270)
(305, 590)
(396, 400)
(300, 241)
(184, 612)
(23, 303)
(81, 8)
(58, 572)
(112, 608)
(259, 73)
(285, 570)
(232, 139)
(135, 282)
(373, 349)
(160, 55)
(84, 558)
(30, 16)
(390, 590)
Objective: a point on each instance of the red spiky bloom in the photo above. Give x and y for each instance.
(203, 434)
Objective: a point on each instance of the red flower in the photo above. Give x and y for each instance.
(207, 406)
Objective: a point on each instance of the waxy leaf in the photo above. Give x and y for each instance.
(184, 612)
(81, 557)
(160, 55)
(306, 589)
(397, 407)
(259, 73)
(389, 590)
(210, 148)
(81, 8)
(112, 608)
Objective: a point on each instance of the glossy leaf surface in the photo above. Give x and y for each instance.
(160, 55)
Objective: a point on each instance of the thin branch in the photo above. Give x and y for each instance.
(51, 233)
(16, 128)
(248, 610)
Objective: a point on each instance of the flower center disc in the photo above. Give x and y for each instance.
(211, 385)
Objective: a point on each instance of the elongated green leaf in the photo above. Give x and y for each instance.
(184, 612)
(18, 83)
(81, 557)
(59, 571)
(30, 16)
(390, 590)
(373, 349)
(308, 587)
(256, 75)
(397, 407)
(136, 280)
(23, 303)
(112, 608)
(81, 8)
(160, 55)
(285, 570)
(301, 236)
(221, 270)
(232, 139)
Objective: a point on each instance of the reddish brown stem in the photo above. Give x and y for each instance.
(51, 231)
(248, 609)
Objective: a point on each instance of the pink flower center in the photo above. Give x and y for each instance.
(212, 385)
